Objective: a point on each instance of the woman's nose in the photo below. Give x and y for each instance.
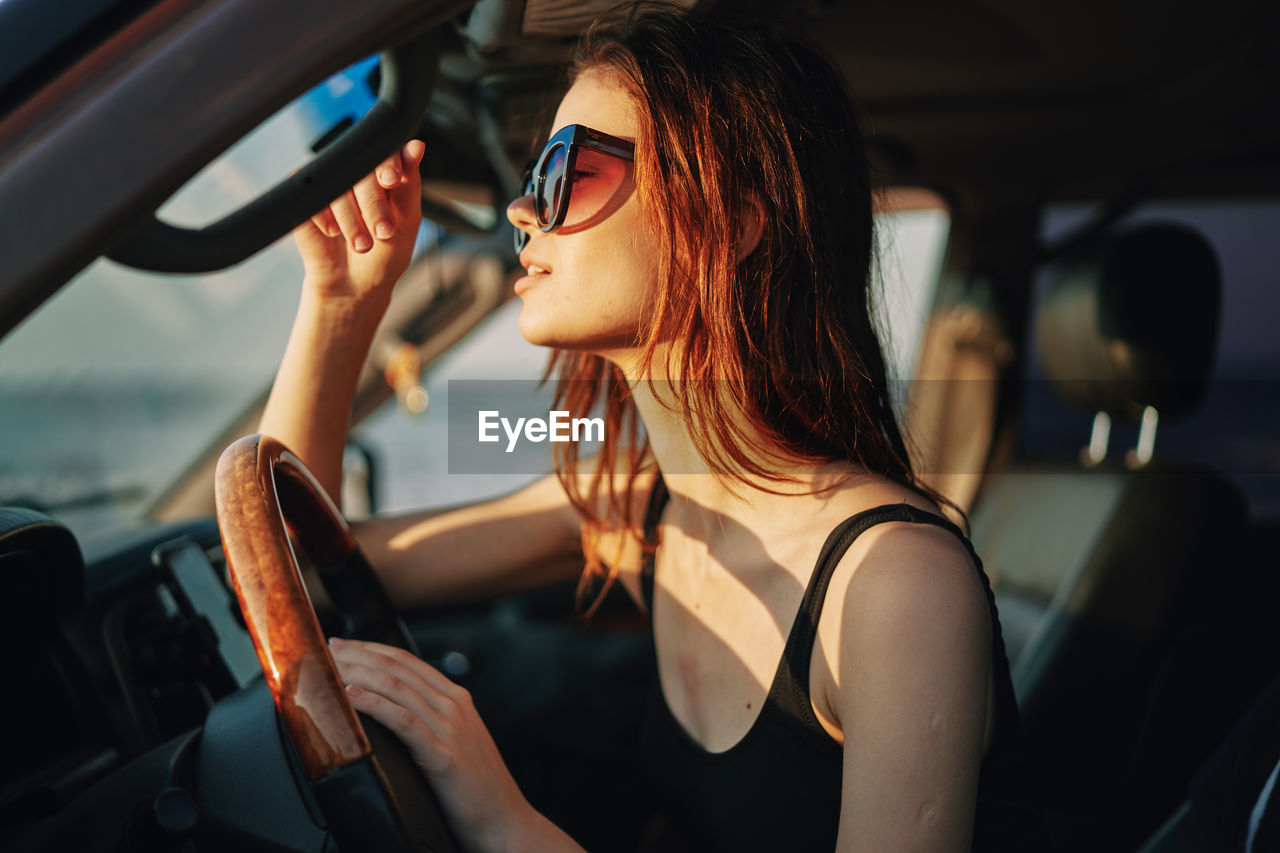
(521, 214)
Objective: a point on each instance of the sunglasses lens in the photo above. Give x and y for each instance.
(598, 180)
(550, 184)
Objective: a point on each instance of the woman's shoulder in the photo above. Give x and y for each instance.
(906, 572)
(908, 559)
(905, 603)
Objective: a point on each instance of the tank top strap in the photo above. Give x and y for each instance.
(791, 683)
(652, 516)
(790, 686)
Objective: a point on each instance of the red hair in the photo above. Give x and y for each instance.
(733, 117)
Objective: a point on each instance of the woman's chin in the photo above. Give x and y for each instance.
(542, 331)
(534, 329)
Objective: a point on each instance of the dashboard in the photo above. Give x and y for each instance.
(135, 701)
(107, 658)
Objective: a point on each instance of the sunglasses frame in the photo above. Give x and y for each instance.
(572, 137)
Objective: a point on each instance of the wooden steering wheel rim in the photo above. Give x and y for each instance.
(300, 672)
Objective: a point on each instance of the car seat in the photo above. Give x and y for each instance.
(1097, 564)
(1234, 803)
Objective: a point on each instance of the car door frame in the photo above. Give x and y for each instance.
(97, 150)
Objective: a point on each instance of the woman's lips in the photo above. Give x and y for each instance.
(533, 272)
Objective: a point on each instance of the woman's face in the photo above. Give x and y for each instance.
(590, 284)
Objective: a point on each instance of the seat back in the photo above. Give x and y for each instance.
(1098, 565)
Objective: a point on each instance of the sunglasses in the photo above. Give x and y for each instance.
(573, 180)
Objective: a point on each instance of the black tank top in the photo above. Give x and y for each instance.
(779, 787)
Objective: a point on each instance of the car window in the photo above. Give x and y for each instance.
(913, 239)
(498, 364)
(1236, 428)
(111, 390)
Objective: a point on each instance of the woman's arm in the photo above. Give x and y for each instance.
(912, 693)
(525, 540)
(353, 252)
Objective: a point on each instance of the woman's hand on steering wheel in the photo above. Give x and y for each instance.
(436, 720)
(360, 244)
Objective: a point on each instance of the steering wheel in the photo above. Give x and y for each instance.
(367, 786)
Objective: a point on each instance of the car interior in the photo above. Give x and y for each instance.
(1094, 385)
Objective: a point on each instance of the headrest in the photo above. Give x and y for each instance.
(1133, 322)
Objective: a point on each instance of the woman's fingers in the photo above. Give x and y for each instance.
(438, 722)
(326, 223)
(406, 195)
(374, 208)
(350, 220)
(397, 689)
(432, 685)
(403, 689)
(378, 655)
(402, 721)
(388, 172)
(399, 693)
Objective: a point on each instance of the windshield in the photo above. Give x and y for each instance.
(115, 387)
(112, 388)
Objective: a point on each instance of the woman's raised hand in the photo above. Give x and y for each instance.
(353, 252)
(360, 244)
(437, 722)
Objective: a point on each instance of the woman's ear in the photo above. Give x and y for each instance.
(750, 225)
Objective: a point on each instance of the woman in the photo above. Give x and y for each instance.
(698, 242)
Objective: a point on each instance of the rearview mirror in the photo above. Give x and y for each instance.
(407, 79)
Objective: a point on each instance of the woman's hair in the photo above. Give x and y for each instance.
(733, 117)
